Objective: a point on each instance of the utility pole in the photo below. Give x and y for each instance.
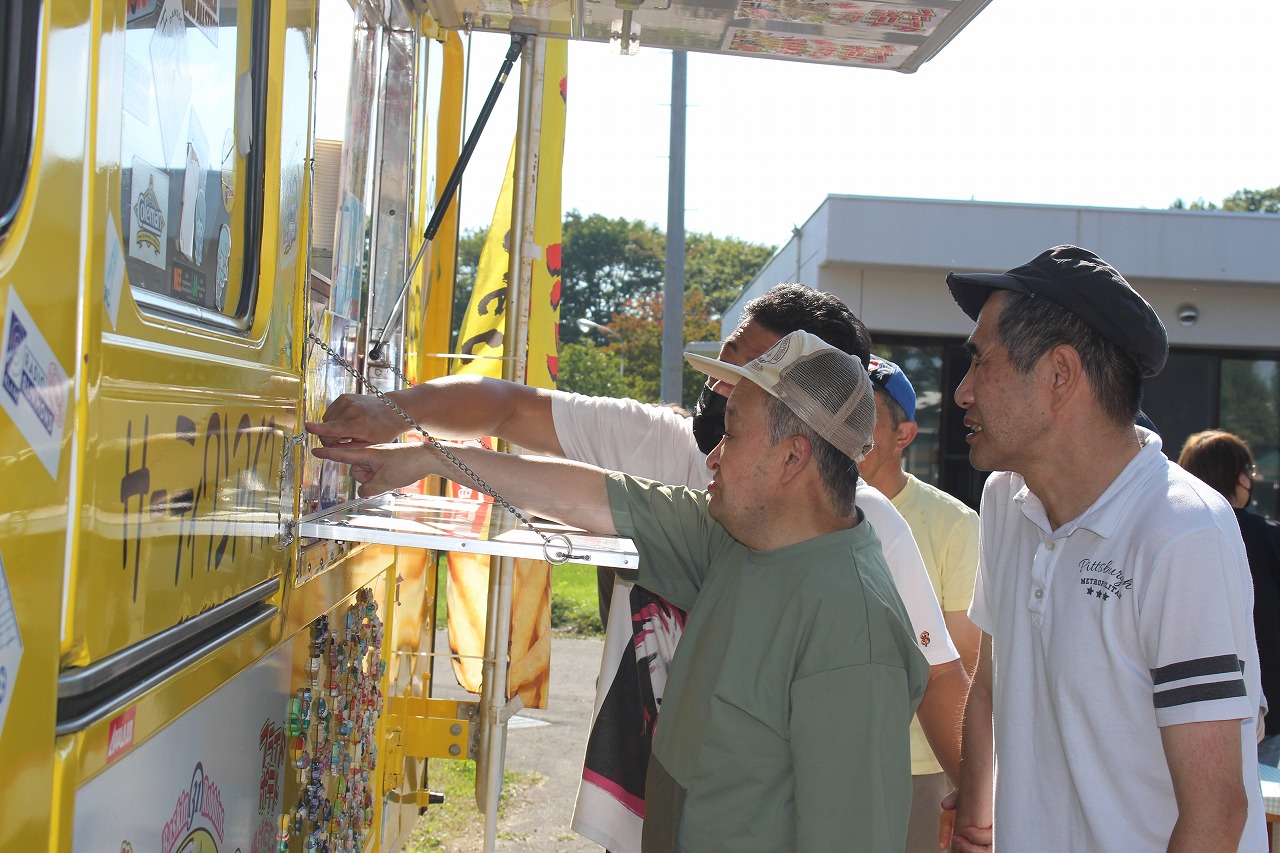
(671, 387)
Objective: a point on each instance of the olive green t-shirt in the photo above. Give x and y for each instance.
(784, 725)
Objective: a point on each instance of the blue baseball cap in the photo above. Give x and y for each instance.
(887, 375)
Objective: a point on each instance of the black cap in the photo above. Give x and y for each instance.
(1085, 285)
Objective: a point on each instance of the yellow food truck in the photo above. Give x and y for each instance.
(194, 654)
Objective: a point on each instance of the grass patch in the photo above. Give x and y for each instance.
(456, 824)
(442, 578)
(574, 606)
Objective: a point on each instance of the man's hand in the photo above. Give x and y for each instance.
(359, 420)
(568, 492)
(382, 467)
(947, 820)
(974, 834)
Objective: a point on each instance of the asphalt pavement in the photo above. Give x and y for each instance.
(549, 743)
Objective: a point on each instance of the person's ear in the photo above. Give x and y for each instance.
(798, 455)
(906, 433)
(1066, 370)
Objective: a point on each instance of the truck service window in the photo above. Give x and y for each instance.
(192, 142)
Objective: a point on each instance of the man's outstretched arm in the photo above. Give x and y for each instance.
(569, 492)
(456, 407)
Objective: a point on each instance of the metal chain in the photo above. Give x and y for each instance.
(555, 558)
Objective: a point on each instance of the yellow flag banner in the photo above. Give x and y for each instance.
(544, 310)
(481, 336)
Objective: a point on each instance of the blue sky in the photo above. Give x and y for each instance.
(1091, 102)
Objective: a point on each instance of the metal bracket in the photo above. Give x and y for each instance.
(525, 26)
(286, 524)
(514, 706)
(430, 728)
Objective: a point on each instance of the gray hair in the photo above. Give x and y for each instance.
(837, 471)
(1028, 328)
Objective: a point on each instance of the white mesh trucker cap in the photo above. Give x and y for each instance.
(825, 387)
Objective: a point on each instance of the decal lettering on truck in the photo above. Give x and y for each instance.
(120, 735)
(271, 743)
(230, 476)
(198, 807)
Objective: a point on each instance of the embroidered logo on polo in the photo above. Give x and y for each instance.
(1199, 680)
(1102, 580)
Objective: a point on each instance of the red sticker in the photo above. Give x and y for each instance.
(120, 736)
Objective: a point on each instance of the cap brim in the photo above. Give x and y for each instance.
(972, 290)
(717, 369)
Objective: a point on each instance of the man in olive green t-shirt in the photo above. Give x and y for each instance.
(785, 721)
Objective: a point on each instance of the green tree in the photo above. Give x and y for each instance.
(1245, 200)
(1198, 204)
(595, 371)
(613, 272)
(639, 324)
(606, 261)
(1248, 402)
(719, 267)
(469, 245)
(1257, 201)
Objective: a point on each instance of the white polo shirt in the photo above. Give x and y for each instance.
(1136, 615)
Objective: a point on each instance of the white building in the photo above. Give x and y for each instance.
(1214, 278)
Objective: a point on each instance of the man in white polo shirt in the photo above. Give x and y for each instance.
(1113, 590)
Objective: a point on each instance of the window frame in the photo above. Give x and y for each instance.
(254, 189)
(20, 41)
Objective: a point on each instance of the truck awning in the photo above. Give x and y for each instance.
(894, 35)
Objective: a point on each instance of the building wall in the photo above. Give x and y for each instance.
(889, 258)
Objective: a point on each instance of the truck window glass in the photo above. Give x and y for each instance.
(191, 158)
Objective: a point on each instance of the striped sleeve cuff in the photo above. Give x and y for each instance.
(1182, 690)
